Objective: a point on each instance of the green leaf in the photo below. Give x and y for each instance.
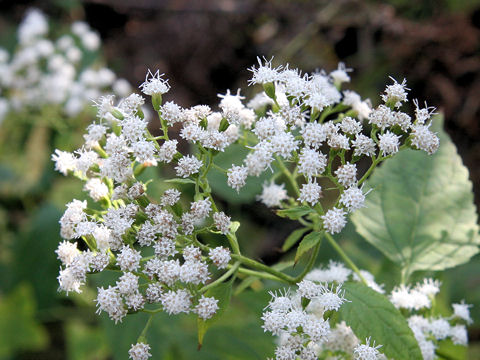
(18, 327)
(421, 213)
(180, 181)
(222, 293)
(293, 238)
(370, 314)
(295, 213)
(307, 243)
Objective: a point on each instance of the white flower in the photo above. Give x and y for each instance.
(340, 75)
(347, 174)
(128, 259)
(220, 256)
(284, 143)
(127, 283)
(231, 106)
(396, 93)
(139, 351)
(265, 73)
(382, 117)
(311, 163)
(313, 135)
(171, 113)
(176, 302)
(222, 222)
(154, 84)
(64, 161)
(207, 307)
(367, 352)
(352, 198)
(272, 194)
(201, 208)
(462, 311)
(389, 143)
(110, 301)
(334, 220)
(237, 176)
(422, 115)
(350, 126)
(310, 192)
(188, 165)
(66, 252)
(363, 145)
(96, 189)
(170, 197)
(424, 139)
(459, 335)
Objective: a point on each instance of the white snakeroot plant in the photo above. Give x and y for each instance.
(305, 133)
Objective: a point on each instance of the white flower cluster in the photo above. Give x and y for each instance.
(299, 319)
(430, 329)
(131, 225)
(301, 330)
(294, 128)
(45, 71)
(300, 130)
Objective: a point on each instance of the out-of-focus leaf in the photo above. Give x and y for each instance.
(371, 314)
(295, 213)
(421, 213)
(18, 327)
(85, 342)
(34, 254)
(293, 238)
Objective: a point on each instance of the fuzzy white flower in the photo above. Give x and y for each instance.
(272, 194)
(389, 143)
(139, 351)
(334, 220)
(207, 307)
(264, 73)
(396, 93)
(154, 84)
(310, 192)
(188, 165)
(311, 163)
(237, 176)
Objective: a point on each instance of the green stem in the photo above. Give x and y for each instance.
(345, 257)
(375, 162)
(289, 176)
(259, 266)
(222, 278)
(142, 338)
(164, 126)
(259, 274)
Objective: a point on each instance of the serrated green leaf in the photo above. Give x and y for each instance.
(295, 213)
(222, 293)
(307, 243)
(293, 238)
(180, 181)
(421, 213)
(371, 314)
